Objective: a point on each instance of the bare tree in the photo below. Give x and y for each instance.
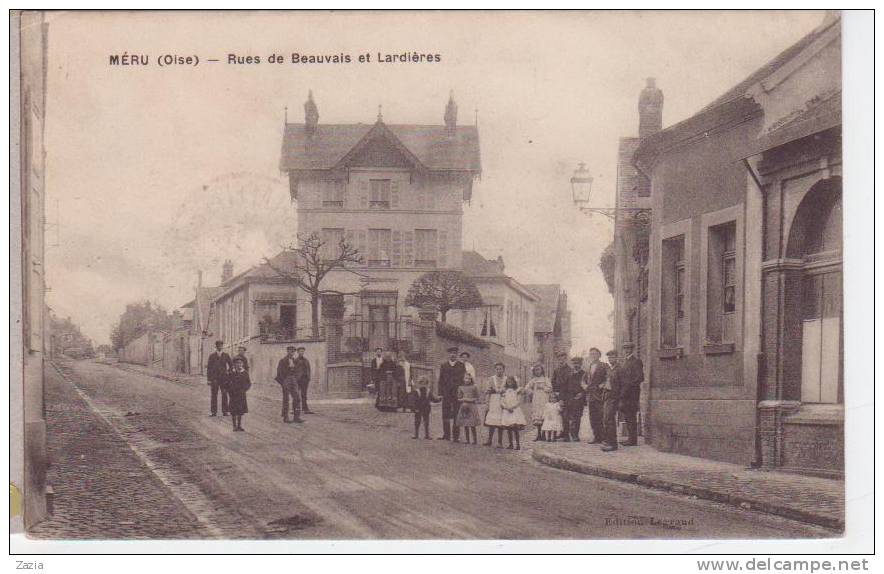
(443, 291)
(309, 262)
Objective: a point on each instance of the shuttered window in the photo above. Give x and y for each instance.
(379, 247)
(426, 247)
(379, 194)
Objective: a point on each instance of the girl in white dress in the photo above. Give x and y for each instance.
(494, 391)
(538, 390)
(512, 417)
(552, 419)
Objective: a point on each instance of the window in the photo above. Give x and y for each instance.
(333, 194)
(673, 287)
(721, 283)
(379, 243)
(379, 194)
(331, 240)
(425, 248)
(488, 321)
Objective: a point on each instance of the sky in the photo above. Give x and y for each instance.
(156, 172)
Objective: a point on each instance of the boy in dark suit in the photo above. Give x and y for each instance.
(421, 398)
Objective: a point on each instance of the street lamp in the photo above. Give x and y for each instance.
(581, 193)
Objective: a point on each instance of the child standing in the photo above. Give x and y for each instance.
(468, 412)
(422, 399)
(552, 419)
(238, 384)
(538, 390)
(512, 418)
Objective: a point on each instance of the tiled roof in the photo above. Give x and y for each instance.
(474, 265)
(547, 307)
(431, 145)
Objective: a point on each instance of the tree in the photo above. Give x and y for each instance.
(606, 264)
(137, 319)
(443, 291)
(307, 263)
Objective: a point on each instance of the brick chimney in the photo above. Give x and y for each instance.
(451, 115)
(227, 271)
(311, 115)
(650, 109)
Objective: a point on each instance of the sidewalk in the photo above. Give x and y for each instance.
(102, 490)
(808, 499)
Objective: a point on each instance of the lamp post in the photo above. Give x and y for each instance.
(581, 194)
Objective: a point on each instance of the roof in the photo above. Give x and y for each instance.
(482, 270)
(474, 265)
(547, 308)
(431, 145)
(731, 106)
(283, 260)
(770, 67)
(822, 113)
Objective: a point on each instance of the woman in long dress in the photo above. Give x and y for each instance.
(538, 390)
(494, 392)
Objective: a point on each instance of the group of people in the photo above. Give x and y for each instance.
(556, 405)
(229, 377)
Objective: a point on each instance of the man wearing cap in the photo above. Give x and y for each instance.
(631, 374)
(287, 377)
(450, 378)
(610, 393)
(572, 394)
(217, 369)
(597, 375)
(302, 372)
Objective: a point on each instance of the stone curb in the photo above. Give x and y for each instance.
(744, 502)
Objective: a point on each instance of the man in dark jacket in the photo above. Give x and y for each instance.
(610, 391)
(596, 375)
(450, 378)
(217, 369)
(287, 375)
(572, 394)
(562, 372)
(631, 374)
(302, 369)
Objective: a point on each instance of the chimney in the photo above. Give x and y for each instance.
(650, 109)
(311, 115)
(199, 278)
(451, 115)
(500, 266)
(227, 271)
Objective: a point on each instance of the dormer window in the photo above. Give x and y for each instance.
(379, 194)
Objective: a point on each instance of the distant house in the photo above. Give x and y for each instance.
(507, 314)
(552, 324)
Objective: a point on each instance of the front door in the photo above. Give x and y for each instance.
(821, 349)
(379, 326)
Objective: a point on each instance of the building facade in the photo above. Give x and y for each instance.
(32, 32)
(394, 192)
(744, 295)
